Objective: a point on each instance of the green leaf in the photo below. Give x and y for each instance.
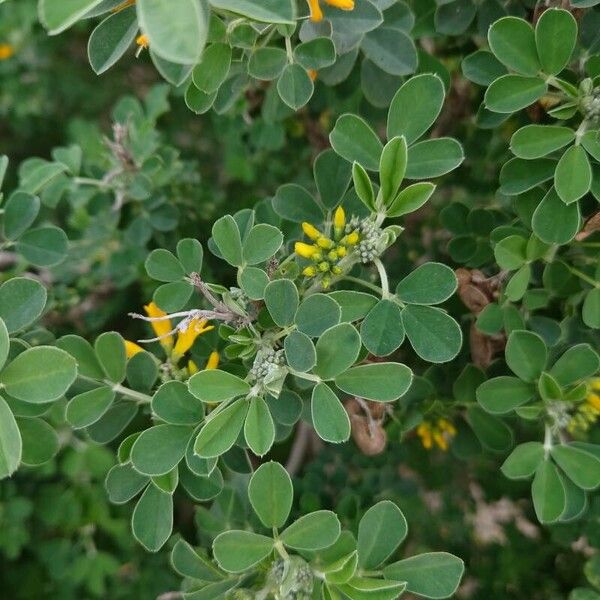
(380, 382)
(415, 107)
(253, 281)
(174, 404)
(410, 199)
(313, 531)
(22, 301)
(152, 520)
(355, 141)
(581, 467)
(85, 409)
(535, 141)
(176, 31)
(332, 176)
(380, 531)
(433, 158)
(431, 575)
(391, 49)
(354, 305)
(214, 385)
(39, 375)
(513, 42)
(300, 351)
(163, 265)
(392, 167)
(40, 441)
(434, 335)
(58, 15)
(83, 352)
(10, 441)
(503, 394)
(555, 222)
(295, 86)
(213, 68)
(381, 331)
(263, 241)
(548, 493)
(317, 313)
(511, 93)
(271, 494)
(526, 354)
(523, 461)
(337, 350)
(430, 283)
(159, 449)
(222, 430)
(198, 101)
(267, 63)
(555, 38)
(237, 551)
(189, 563)
(20, 212)
(110, 351)
(294, 203)
(482, 67)
(518, 175)
(363, 186)
(123, 483)
(573, 176)
(4, 343)
(281, 298)
(491, 431)
(577, 363)
(43, 246)
(111, 38)
(590, 311)
(329, 417)
(316, 54)
(226, 236)
(267, 11)
(510, 252)
(259, 429)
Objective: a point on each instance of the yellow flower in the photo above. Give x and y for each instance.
(311, 231)
(312, 73)
(131, 349)
(316, 14)
(6, 51)
(352, 238)
(162, 328)
(192, 367)
(306, 250)
(213, 361)
(185, 339)
(339, 218)
(142, 41)
(309, 271)
(441, 432)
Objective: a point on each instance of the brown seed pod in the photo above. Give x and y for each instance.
(371, 438)
(591, 225)
(482, 349)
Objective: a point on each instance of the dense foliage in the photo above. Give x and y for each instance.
(300, 299)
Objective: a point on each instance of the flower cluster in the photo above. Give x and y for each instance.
(588, 411)
(316, 13)
(176, 341)
(438, 432)
(327, 252)
(291, 579)
(266, 364)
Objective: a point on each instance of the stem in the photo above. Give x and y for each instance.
(137, 396)
(385, 285)
(288, 49)
(89, 181)
(307, 376)
(547, 441)
(299, 447)
(367, 284)
(585, 277)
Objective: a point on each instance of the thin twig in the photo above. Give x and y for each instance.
(299, 448)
